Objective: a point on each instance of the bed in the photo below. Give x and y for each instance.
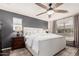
(40, 43)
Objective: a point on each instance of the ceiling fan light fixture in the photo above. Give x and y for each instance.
(50, 12)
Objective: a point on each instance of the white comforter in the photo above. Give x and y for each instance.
(33, 40)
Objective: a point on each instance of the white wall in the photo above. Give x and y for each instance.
(50, 26)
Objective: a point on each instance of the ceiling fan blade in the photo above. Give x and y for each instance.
(57, 5)
(41, 5)
(60, 11)
(41, 13)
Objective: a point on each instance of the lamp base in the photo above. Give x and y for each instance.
(18, 34)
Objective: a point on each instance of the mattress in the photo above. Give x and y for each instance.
(33, 40)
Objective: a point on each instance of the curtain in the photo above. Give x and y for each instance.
(76, 30)
(54, 27)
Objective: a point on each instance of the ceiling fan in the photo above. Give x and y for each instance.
(51, 9)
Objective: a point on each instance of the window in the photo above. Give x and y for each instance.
(17, 24)
(65, 27)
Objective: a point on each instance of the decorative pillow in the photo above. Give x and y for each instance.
(29, 31)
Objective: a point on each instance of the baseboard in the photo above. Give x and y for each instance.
(6, 48)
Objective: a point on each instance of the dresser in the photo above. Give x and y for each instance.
(17, 42)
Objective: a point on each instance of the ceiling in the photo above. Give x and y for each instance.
(31, 9)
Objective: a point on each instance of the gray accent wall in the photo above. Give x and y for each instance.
(7, 25)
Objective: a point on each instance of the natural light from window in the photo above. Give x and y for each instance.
(17, 24)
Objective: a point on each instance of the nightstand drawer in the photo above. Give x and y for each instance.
(18, 42)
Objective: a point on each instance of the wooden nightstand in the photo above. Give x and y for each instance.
(18, 42)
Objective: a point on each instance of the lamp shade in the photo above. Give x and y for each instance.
(17, 28)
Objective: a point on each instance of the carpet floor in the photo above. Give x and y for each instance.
(68, 51)
(20, 52)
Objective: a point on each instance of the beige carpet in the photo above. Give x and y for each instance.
(20, 52)
(69, 51)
